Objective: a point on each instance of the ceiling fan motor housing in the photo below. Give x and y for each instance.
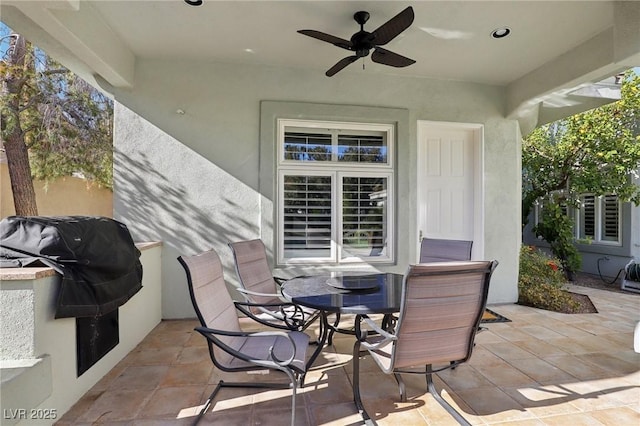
(362, 43)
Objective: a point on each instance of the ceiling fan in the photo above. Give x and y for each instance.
(362, 42)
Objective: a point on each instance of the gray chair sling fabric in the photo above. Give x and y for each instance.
(440, 312)
(260, 287)
(230, 348)
(438, 250)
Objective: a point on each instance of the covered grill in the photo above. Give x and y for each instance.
(96, 257)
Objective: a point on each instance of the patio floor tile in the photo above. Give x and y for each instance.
(140, 377)
(170, 401)
(541, 369)
(116, 405)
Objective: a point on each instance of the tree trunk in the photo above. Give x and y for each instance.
(24, 196)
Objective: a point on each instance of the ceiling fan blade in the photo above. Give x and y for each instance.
(394, 26)
(340, 65)
(336, 41)
(386, 57)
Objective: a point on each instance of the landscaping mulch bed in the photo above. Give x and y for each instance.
(593, 281)
(582, 279)
(586, 306)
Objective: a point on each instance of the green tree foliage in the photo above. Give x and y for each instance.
(64, 123)
(74, 129)
(596, 152)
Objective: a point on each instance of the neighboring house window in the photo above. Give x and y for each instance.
(335, 192)
(599, 219)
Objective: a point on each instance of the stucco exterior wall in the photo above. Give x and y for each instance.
(192, 180)
(62, 197)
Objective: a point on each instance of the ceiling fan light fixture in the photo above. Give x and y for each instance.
(193, 2)
(501, 32)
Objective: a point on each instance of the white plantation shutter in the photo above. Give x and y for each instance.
(364, 203)
(307, 216)
(588, 217)
(610, 218)
(335, 183)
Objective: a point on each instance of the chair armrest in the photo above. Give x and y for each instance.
(361, 335)
(211, 335)
(256, 293)
(378, 329)
(292, 320)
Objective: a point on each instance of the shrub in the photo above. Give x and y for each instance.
(557, 229)
(540, 282)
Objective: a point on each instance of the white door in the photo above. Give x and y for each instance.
(449, 193)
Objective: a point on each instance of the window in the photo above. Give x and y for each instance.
(335, 192)
(599, 219)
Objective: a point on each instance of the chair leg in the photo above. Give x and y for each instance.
(208, 403)
(401, 387)
(293, 396)
(433, 391)
(223, 384)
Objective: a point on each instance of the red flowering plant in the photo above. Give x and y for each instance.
(553, 265)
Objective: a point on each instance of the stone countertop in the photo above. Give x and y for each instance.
(34, 273)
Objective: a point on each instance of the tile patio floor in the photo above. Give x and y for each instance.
(543, 368)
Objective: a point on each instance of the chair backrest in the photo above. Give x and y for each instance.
(438, 250)
(440, 311)
(211, 300)
(253, 269)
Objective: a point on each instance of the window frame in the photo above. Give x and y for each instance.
(337, 170)
(598, 220)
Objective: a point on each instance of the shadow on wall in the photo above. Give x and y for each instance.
(189, 206)
(159, 208)
(62, 197)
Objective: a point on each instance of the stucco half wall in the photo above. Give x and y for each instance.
(195, 179)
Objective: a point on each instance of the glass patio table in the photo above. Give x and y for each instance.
(344, 293)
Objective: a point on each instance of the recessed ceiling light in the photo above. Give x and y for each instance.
(500, 32)
(193, 2)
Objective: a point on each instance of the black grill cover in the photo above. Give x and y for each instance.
(96, 256)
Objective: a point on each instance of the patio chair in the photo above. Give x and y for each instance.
(231, 349)
(440, 310)
(438, 250)
(261, 288)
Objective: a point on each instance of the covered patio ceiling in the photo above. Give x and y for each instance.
(554, 49)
